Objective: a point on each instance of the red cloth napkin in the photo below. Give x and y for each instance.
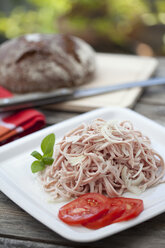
(20, 123)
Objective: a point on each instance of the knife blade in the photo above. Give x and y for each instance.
(62, 95)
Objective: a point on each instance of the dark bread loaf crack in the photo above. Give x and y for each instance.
(42, 62)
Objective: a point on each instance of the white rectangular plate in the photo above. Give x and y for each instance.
(19, 184)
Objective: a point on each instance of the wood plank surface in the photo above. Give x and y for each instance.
(19, 230)
(113, 69)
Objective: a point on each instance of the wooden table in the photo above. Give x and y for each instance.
(19, 229)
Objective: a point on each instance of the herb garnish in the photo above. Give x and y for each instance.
(47, 145)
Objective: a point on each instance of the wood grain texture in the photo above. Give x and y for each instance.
(53, 117)
(19, 229)
(152, 111)
(155, 95)
(15, 243)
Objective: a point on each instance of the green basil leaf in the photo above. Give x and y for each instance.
(47, 160)
(36, 155)
(50, 154)
(48, 144)
(37, 166)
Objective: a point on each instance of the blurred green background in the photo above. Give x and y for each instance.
(117, 26)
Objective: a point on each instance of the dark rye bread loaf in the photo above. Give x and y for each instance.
(41, 62)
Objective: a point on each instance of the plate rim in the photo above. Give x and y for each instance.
(7, 189)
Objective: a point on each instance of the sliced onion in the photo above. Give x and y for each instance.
(75, 160)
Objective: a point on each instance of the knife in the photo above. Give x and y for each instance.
(62, 95)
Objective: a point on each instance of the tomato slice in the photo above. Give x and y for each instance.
(116, 209)
(133, 207)
(120, 209)
(84, 209)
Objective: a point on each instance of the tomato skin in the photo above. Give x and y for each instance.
(120, 209)
(116, 209)
(94, 210)
(133, 207)
(85, 208)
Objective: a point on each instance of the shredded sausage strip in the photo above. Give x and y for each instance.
(104, 157)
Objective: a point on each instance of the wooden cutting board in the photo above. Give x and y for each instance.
(113, 69)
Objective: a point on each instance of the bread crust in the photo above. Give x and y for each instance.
(42, 62)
